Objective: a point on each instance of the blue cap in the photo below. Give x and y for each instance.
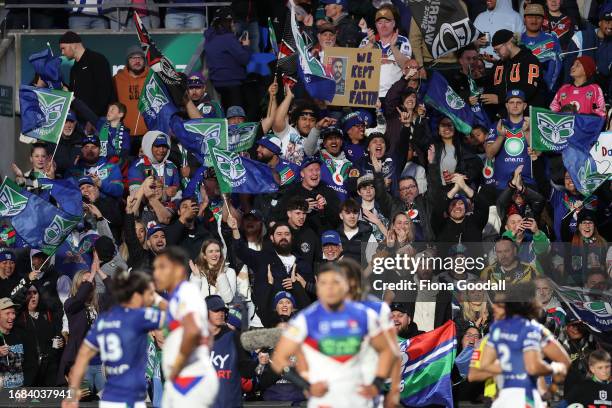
(352, 119)
(90, 140)
(331, 130)
(272, 143)
(214, 303)
(330, 237)
(71, 116)
(235, 111)
(161, 140)
(153, 228)
(308, 161)
(515, 93)
(283, 295)
(343, 3)
(195, 80)
(606, 11)
(86, 180)
(7, 255)
(254, 213)
(461, 197)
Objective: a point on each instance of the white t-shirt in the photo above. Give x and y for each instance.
(292, 144)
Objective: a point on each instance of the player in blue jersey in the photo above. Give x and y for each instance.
(516, 349)
(331, 334)
(120, 337)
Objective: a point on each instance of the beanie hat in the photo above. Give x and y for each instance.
(501, 37)
(7, 255)
(70, 37)
(105, 248)
(283, 295)
(588, 65)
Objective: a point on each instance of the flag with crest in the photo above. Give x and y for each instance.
(444, 99)
(551, 132)
(237, 174)
(196, 134)
(589, 169)
(155, 104)
(43, 113)
(241, 136)
(40, 223)
(591, 306)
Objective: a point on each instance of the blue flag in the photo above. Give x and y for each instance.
(155, 104)
(196, 134)
(44, 226)
(43, 113)
(589, 167)
(47, 67)
(445, 100)
(75, 253)
(237, 174)
(552, 132)
(591, 306)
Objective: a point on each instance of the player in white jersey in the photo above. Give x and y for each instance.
(191, 380)
(331, 334)
(382, 310)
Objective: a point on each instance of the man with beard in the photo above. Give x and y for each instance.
(508, 265)
(402, 321)
(268, 152)
(107, 207)
(338, 72)
(275, 265)
(129, 83)
(106, 176)
(142, 258)
(323, 205)
(196, 89)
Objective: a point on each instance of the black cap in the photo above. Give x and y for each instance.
(105, 248)
(585, 215)
(501, 37)
(223, 13)
(214, 303)
(400, 307)
(70, 37)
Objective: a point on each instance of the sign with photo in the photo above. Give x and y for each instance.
(357, 75)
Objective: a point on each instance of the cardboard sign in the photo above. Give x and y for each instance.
(357, 75)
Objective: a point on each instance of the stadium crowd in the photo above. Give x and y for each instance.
(354, 185)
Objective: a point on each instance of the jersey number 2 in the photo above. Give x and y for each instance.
(110, 347)
(504, 358)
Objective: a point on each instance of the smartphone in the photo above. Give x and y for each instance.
(148, 172)
(528, 211)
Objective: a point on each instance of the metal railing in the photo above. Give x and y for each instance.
(113, 7)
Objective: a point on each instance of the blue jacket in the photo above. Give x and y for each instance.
(109, 173)
(226, 58)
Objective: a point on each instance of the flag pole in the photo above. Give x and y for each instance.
(50, 50)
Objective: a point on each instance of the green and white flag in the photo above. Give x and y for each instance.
(12, 202)
(43, 113)
(155, 104)
(550, 131)
(202, 133)
(242, 136)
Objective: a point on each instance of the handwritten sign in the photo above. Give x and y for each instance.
(357, 75)
(601, 152)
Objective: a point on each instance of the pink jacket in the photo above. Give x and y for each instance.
(588, 99)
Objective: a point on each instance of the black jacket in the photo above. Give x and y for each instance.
(191, 239)
(140, 258)
(353, 247)
(91, 81)
(318, 220)
(348, 32)
(306, 244)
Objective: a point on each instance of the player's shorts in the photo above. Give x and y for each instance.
(518, 397)
(109, 404)
(191, 392)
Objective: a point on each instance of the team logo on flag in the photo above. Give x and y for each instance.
(231, 168)
(210, 132)
(555, 129)
(11, 201)
(451, 37)
(453, 100)
(155, 98)
(57, 231)
(52, 107)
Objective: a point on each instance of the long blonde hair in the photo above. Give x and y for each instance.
(469, 311)
(211, 274)
(76, 284)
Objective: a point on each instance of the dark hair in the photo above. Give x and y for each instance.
(277, 226)
(175, 255)
(520, 301)
(599, 356)
(350, 205)
(508, 239)
(352, 269)
(396, 15)
(297, 203)
(122, 108)
(596, 271)
(480, 127)
(407, 178)
(301, 106)
(126, 283)
(332, 267)
(38, 146)
(469, 47)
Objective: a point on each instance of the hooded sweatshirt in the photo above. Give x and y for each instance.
(128, 90)
(501, 17)
(166, 170)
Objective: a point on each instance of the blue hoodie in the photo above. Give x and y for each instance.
(226, 58)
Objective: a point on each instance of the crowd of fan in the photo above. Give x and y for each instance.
(355, 184)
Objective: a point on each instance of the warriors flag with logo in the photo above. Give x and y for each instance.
(550, 132)
(43, 113)
(444, 25)
(444, 99)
